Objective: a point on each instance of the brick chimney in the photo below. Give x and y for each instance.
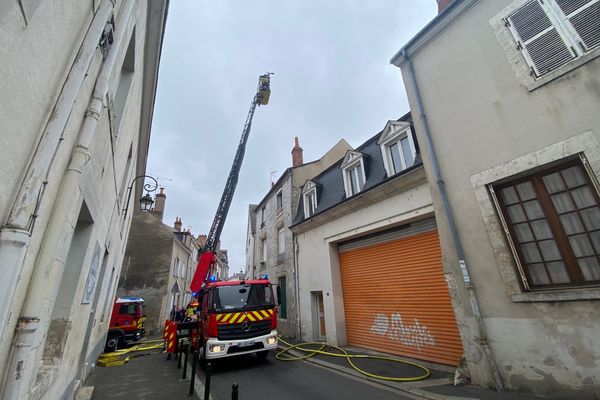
(177, 224)
(297, 159)
(159, 205)
(442, 4)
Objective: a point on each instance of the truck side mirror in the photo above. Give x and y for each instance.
(278, 295)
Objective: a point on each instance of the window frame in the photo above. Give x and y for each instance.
(309, 194)
(280, 243)
(354, 161)
(263, 245)
(552, 216)
(394, 133)
(279, 200)
(561, 23)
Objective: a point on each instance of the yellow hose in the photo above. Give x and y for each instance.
(343, 353)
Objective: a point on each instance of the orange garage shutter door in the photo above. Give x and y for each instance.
(397, 301)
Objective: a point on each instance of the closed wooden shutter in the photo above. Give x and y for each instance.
(542, 45)
(584, 16)
(396, 299)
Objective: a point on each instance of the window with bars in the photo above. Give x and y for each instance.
(551, 33)
(553, 222)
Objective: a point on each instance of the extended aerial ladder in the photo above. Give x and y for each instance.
(207, 256)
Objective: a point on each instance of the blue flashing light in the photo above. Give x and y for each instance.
(212, 278)
(264, 276)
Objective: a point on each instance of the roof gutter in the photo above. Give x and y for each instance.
(483, 339)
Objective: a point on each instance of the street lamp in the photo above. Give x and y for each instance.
(146, 201)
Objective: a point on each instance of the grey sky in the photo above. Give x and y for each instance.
(332, 80)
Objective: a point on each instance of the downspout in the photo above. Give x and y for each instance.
(15, 234)
(296, 247)
(483, 339)
(43, 288)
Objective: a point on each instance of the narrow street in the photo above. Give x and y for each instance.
(272, 379)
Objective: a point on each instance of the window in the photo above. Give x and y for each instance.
(281, 297)
(262, 217)
(353, 169)
(176, 267)
(125, 80)
(263, 246)
(553, 220)
(280, 244)
(279, 200)
(551, 33)
(397, 147)
(310, 198)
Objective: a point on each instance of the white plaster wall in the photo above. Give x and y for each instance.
(482, 118)
(318, 262)
(32, 81)
(33, 77)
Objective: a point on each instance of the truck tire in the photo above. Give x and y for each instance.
(262, 355)
(112, 342)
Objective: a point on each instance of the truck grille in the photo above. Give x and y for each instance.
(236, 331)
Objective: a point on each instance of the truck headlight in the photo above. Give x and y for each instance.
(216, 348)
(272, 340)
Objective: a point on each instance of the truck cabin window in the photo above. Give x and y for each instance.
(242, 297)
(129, 309)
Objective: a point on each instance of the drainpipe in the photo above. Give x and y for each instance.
(16, 232)
(483, 339)
(296, 247)
(43, 288)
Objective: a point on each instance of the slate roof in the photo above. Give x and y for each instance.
(330, 183)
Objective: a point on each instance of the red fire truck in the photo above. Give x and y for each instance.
(126, 322)
(237, 317)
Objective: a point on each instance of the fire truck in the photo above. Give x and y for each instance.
(127, 322)
(235, 317)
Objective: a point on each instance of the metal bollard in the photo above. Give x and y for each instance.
(234, 391)
(179, 354)
(193, 377)
(207, 382)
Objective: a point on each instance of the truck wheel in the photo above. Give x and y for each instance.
(262, 355)
(112, 343)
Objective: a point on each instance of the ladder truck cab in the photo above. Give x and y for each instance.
(127, 322)
(237, 317)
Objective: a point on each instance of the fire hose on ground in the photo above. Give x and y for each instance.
(323, 350)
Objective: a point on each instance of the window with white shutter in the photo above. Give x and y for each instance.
(584, 17)
(551, 33)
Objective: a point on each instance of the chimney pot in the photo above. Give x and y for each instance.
(177, 224)
(297, 158)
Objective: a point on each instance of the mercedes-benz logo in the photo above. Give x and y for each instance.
(246, 326)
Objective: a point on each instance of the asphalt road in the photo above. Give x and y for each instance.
(290, 380)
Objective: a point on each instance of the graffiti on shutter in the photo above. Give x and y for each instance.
(415, 335)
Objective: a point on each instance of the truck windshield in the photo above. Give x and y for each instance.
(242, 297)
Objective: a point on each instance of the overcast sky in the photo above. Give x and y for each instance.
(332, 80)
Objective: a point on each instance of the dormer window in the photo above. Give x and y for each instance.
(397, 147)
(310, 198)
(353, 169)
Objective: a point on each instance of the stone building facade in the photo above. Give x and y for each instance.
(77, 88)
(508, 99)
(270, 243)
(158, 266)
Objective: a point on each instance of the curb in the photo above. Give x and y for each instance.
(417, 391)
